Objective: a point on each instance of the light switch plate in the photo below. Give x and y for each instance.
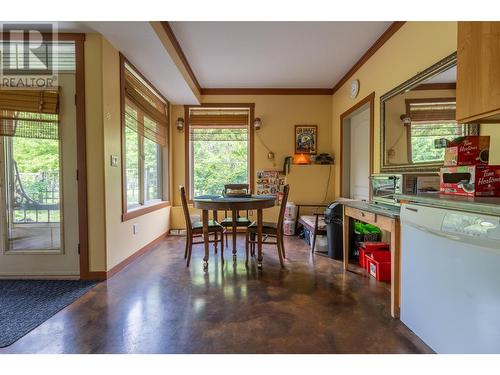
(114, 160)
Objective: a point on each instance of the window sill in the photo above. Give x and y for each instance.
(144, 210)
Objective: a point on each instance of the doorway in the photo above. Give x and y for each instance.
(357, 150)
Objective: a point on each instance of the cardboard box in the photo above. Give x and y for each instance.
(471, 180)
(470, 150)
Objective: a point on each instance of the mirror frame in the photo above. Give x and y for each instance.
(441, 66)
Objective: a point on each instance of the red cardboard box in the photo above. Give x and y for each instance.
(470, 150)
(471, 180)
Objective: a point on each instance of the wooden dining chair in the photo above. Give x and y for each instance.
(195, 230)
(241, 221)
(269, 230)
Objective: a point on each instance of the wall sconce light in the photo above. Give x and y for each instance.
(405, 119)
(180, 124)
(257, 123)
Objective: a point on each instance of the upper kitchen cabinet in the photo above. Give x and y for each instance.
(478, 75)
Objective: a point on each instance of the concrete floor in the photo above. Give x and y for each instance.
(157, 305)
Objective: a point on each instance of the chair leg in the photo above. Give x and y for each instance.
(215, 242)
(246, 247)
(252, 245)
(280, 239)
(280, 252)
(222, 245)
(226, 240)
(314, 242)
(190, 249)
(187, 248)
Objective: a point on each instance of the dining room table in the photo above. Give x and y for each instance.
(217, 203)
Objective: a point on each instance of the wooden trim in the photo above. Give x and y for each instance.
(81, 154)
(251, 139)
(124, 263)
(369, 99)
(171, 35)
(265, 91)
(96, 276)
(436, 86)
(391, 30)
(144, 210)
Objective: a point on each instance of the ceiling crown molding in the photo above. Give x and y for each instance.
(391, 30)
(266, 91)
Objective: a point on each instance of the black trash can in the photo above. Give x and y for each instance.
(334, 230)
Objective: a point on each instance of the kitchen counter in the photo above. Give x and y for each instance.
(376, 208)
(480, 205)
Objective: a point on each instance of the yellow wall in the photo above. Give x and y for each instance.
(415, 47)
(493, 130)
(111, 240)
(279, 114)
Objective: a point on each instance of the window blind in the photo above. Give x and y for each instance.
(431, 111)
(145, 111)
(219, 118)
(29, 113)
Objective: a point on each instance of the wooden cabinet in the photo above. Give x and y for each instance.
(478, 71)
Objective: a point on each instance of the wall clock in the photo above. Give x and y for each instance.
(354, 88)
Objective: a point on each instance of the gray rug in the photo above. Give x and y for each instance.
(25, 304)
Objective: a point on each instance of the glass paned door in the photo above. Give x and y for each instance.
(39, 198)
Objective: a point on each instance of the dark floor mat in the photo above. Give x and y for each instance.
(25, 304)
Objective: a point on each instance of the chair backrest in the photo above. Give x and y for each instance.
(281, 216)
(245, 187)
(187, 218)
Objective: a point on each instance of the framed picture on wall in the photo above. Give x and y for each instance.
(306, 139)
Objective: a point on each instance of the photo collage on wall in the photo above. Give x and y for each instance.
(271, 183)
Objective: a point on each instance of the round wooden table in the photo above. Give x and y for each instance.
(218, 203)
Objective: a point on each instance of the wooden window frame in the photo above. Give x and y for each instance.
(128, 214)
(251, 140)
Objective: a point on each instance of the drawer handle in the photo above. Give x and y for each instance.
(412, 209)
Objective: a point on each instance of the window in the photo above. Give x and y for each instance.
(431, 119)
(145, 120)
(219, 148)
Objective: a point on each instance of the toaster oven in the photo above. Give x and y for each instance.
(385, 186)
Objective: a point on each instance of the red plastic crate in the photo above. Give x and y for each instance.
(378, 265)
(370, 247)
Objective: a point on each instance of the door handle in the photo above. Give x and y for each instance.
(412, 209)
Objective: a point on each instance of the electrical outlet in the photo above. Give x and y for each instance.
(135, 228)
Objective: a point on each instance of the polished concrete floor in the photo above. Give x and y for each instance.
(157, 305)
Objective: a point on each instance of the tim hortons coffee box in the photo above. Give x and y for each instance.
(471, 180)
(469, 150)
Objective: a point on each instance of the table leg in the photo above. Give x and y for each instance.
(214, 213)
(395, 268)
(346, 240)
(259, 238)
(205, 237)
(234, 214)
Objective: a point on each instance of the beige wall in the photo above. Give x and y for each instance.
(415, 47)
(111, 240)
(279, 114)
(493, 130)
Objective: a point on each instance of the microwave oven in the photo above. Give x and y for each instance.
(384, 187)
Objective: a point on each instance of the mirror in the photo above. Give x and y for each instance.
(418, 116)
